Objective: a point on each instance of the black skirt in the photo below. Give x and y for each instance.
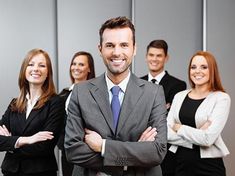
(189, 163)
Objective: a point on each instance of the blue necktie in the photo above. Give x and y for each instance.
(115, 105)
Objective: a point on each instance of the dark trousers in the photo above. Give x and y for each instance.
(67, 168)
(168, 165)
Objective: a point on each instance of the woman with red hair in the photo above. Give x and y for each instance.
(196, 120)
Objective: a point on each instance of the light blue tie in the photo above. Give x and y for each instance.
(115, 105)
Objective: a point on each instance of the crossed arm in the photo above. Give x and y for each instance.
(43, 140)
(94, 140)
(208, 132)
(38, 137)
(205, 126)
(139, 147)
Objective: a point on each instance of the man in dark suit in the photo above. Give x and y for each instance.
(122, 133)
(156, 57)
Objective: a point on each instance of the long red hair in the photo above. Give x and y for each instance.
(214, 80)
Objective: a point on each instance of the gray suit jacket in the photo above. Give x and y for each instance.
(143, 106)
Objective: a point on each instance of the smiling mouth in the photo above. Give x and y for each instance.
(198, 77)
(117, 60)
(35, 75)
(154, 64)
(76, 73)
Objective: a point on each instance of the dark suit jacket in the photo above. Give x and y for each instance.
(171, 86)
(143, 106)
(64, 94)
(38, 157)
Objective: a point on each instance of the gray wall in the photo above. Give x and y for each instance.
(177, 22)
(64, 27)
(221, 42)
(25, 24)
(78, 26)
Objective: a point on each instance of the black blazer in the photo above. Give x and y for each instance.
(64, 94)
(171, 86)
(38, 157)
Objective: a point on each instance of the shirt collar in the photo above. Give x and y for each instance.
(158, 77)
(28, 98)
(29, 102)
(122, 84)
(71, 87)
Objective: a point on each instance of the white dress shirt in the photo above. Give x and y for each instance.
(110, 84)
(67, 100)
(30, 104)
(158, 78)
(29, 108)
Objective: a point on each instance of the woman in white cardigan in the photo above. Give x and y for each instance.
(196, 120)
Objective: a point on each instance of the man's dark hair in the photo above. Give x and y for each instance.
(160, 44)
(118, 22)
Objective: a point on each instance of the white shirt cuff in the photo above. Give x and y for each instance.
(103, 147)
(16, 144)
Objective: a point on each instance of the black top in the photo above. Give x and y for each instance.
(188, 111)
(187, 114)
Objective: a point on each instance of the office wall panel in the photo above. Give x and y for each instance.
(221, 42)
(78, 25)
(177, 22)
(25, 24)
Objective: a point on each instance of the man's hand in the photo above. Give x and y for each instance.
(93, 140)
(168, 105)
(148, 135)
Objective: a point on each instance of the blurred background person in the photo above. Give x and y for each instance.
(81, 69)
(31, 125)
(196, 120)
(156, 58)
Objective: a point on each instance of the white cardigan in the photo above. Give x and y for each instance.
(215, 108)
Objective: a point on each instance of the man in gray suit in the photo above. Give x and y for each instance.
(126, 135)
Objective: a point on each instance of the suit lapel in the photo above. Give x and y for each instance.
(132, 95)
(100, 93)
(164, 79)
(31, 116)
(146, 77)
